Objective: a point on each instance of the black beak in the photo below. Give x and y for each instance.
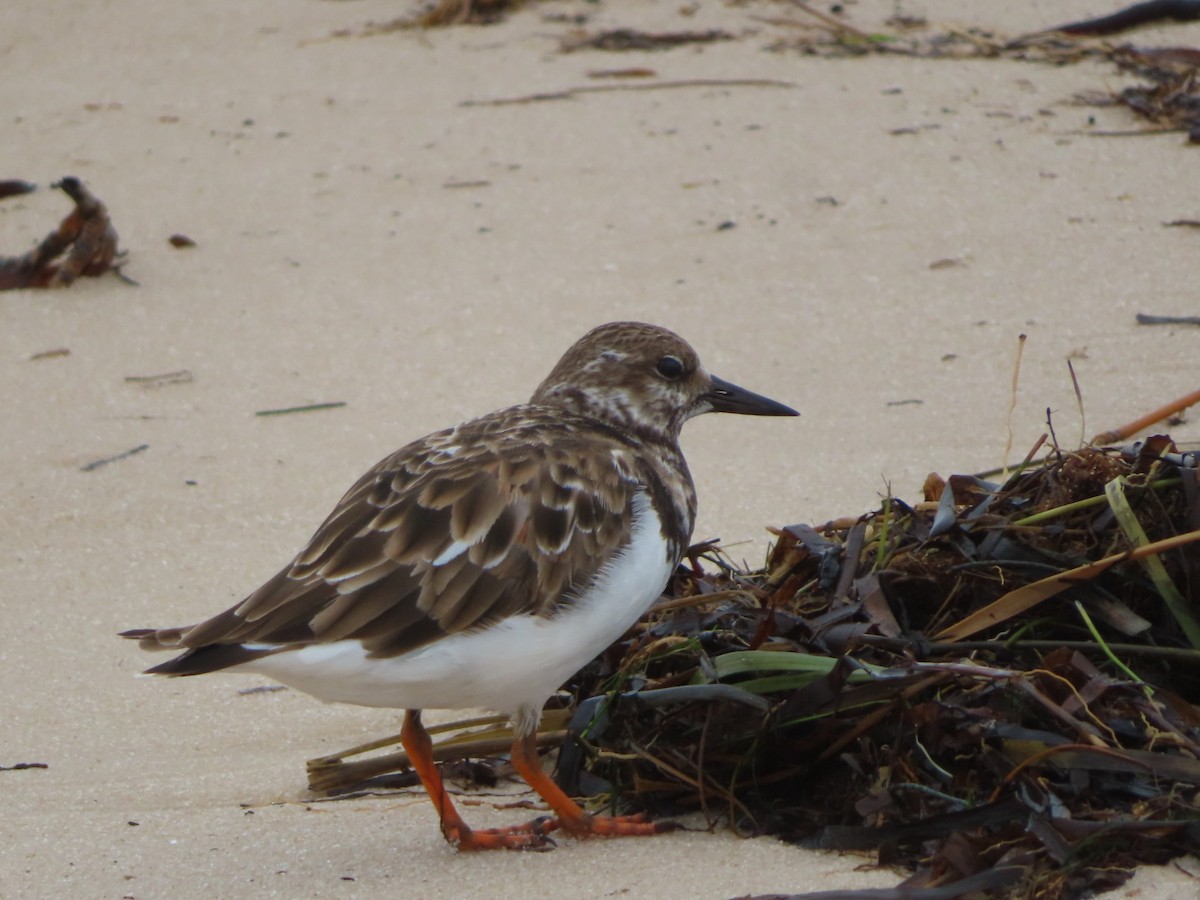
(726, 397)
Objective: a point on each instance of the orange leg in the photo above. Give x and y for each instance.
(533, 836)
(571, 817)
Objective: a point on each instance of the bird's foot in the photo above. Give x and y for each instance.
(533, 835)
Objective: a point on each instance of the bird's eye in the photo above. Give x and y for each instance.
(670, 367)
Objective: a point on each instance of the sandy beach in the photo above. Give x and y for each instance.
(861, 238)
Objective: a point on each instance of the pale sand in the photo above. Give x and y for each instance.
(336, 262)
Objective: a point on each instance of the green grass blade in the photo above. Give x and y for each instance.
(1127, 519)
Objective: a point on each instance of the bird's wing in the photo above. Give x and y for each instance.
(450, 533)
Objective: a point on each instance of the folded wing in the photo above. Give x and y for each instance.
(452, 533)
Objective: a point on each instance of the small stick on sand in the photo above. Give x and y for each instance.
(567, 93)
(1128, 430)
(296, 409)
(97, 463)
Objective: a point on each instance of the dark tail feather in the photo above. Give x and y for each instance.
(197, 661)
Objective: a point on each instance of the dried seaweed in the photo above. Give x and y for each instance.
(86, 236)
(443, 14)
(627, 39)
(985, 678)
(461, 12)
(1170, 99)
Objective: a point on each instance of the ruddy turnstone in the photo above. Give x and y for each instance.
(483, 565)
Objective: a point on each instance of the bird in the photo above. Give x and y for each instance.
(483, 565)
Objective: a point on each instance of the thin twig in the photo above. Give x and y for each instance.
(326, 775)
(296, 409)
(701, 599)
(1132, 132)
(181, 376)
(568, 93)
(1078, 401)
(1127, 431)
(700, 782)
(1012, 405)
(1147, 319)
(97, 463)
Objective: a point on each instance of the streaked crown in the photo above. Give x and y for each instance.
(636, 377)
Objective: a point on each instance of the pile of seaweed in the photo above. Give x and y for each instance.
(1000, 681)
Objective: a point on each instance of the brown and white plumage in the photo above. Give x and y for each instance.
(484, 564)
(503, 515)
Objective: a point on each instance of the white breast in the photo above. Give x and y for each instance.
(513, 666)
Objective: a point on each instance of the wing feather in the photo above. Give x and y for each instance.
(476, 510)
(350, 613)
(537, 524)
(420, 533)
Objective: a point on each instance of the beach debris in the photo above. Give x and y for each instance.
(104, 461)
(1148, 319)
(12, 187)
(1150, 419)
(181, 241)
(56, 353)
(181, 376)
(461, 12)
(569, 93)
(1171, 99)
(631, 72)
(991, 676)
(625, 39)
(483, 737)
(443, 14)
(949, 262)
(86, 236)
(310, 407)
(913, 129)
